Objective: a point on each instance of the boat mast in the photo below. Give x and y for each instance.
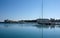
(42, 18)
(42, 9)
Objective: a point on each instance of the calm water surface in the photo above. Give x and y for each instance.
(29, 30)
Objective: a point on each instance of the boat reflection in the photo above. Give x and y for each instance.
(47, 26)
(30, 25)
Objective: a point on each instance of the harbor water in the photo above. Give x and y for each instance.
(29, 30)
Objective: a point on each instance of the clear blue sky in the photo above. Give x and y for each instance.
(51, 9)
(29, 9)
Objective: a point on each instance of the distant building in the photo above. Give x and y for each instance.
(9, 21)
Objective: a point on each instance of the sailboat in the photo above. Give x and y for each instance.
(43, 20)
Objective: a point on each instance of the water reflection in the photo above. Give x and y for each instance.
(47, 26)
(29, 25)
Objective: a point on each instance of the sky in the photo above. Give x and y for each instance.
(29, 9)
(51, 9)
